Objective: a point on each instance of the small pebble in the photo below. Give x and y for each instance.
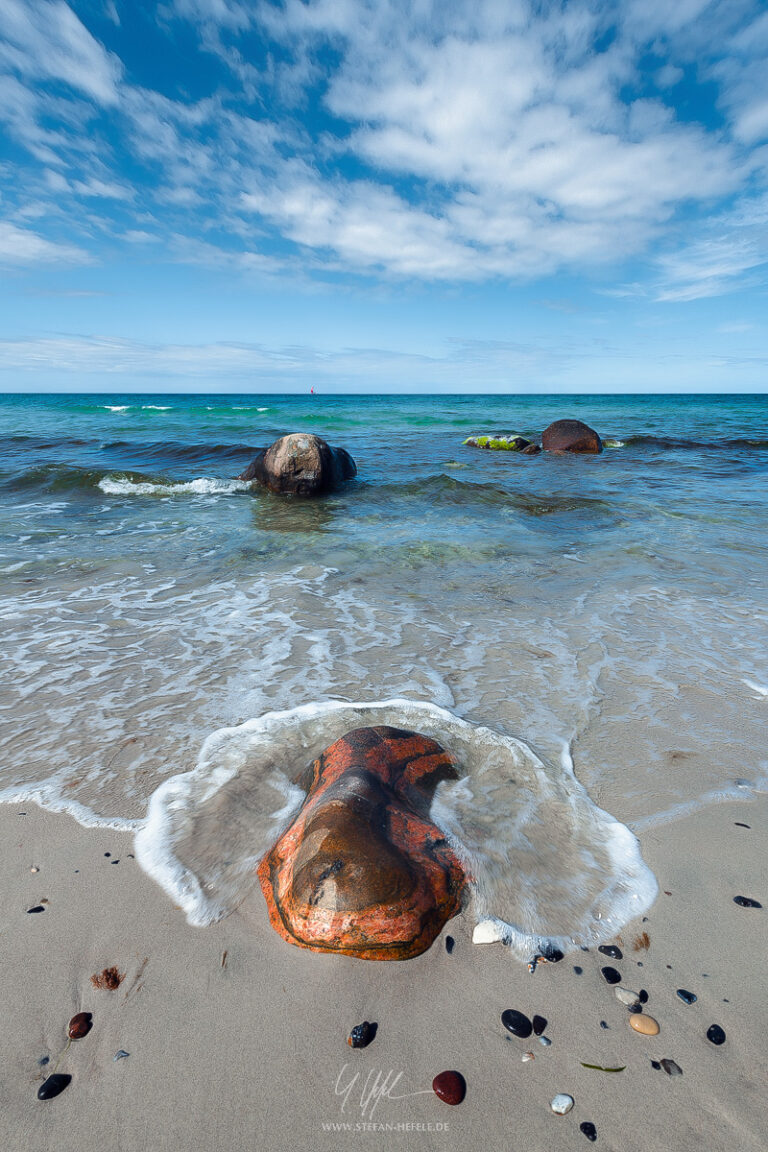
(577, 970)
(44, 1060)
(545, 1040)
(611, 976)
(121, 1054)
(539, 1025)
(686, 997)
(527, 1056)
(107, 853)
(362, 1034)
(589, 1130)
(450, 943)
(642, 996)
(626, 996)
(645, 1025)
(551, 954)
(635, 1008)
(612, 951)
(33, 869)
(517, 1023)
(451, 1087)
(561, 1103)
(671, 1068)
(53, 1086)
(715, 1034)
(37, 908)
(80, 1025)
(603, 1024)
(739, 824)
(746, 902)
(487, 932)
(655, 1064)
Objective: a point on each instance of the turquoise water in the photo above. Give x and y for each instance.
(609, 611)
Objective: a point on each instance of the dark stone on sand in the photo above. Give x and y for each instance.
(671, 1068)
(301, 464)
(517, 1023)
(612, 951)
(655, 1064)
(44, 1060)
(571, 436)
(589, 1130)
(611, 976)
(362, 870)
(362, 1034)
(603, 1024)
(746, 902)
(80, 1025)
(450, 944)
(687, 997)
(715, 1034)
(37, 908)
(53, 1086)
(539, 1025)
(634, 1009)
(451, 1087)
(551, 954)
(739, 824)
(577, 970)
(642, 996)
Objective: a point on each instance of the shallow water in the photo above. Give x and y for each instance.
(614, 604)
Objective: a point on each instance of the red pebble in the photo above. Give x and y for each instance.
(450, 1087)
(80, 1025)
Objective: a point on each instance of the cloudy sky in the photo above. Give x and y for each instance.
(384, 195)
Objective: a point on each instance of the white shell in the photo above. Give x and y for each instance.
(561, 1103)
(487, 932)
(626, 996)
(527, 1056)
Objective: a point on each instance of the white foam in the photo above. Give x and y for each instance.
(760, 689)
(156, 407)
(48, 795)
(203, 486)
(546, 864)
(116, 407)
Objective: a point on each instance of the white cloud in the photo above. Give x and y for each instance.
(21, 246)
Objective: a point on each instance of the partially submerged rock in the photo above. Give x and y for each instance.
(362, 870)
(503, 442)
(301, 464)
(571, 436)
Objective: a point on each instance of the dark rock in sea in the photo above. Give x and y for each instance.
(611, 976)
(362, 1034)
(53, 1086)
(686, 997)
(451, 1087)
(37, 908)
(502, 442)
(612, 951)
(671, 1068)
(450, 944)
(80, 1025)
(577, 970)
(517, 1023)
(642, 996)
(571, 436)
(539, 1025)
(715, 1034)
(589, 1130)
(362, 870)
(301, 464)
(742, 901)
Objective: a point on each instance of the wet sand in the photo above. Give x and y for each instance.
(237, 1040)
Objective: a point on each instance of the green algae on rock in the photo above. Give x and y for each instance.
(503, 442)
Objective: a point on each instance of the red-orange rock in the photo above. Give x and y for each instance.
(80, 1025)
(571, 436)
(362, 870)
(450, 1087)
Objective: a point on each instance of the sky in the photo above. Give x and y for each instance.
(512, 196)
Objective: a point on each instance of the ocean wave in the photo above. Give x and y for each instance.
(202, 486)
(546, 863)
(116, 407)
(726, 444)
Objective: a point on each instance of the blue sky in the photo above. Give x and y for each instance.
(384, 195)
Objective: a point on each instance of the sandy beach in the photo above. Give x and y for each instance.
(237, 1040)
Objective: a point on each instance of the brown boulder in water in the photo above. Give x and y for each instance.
(571, 436)
(302, 464)
(362, 870)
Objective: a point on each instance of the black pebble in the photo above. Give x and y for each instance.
(584, 948)
(115, 861)
(642, 996)
(589, 1130)
(671, 1068)
(687, 997)
(449, 944)
(539, 1025)
(107, 853)
(362, 1034)
(612, 951)
(739, 824)
(577, 970)
(603, 1024)
(53, 1086)
(715, 1034)
(745, 902)
(37, 908)
(516, 1023)
(44, 1060)
(655, 1064)
(611, 976)
(634, 1009)
(552, 954)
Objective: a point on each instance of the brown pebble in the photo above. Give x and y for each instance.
(80, 1025)
(645, 1025)
(451, 1087)
(109, 978)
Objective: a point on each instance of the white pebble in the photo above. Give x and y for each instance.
(488, 932)
(33, 869)
(627, 996)
(526, 1056)
(545, 1040)
(561, 1104)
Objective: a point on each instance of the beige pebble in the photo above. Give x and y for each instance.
(34, 869)
(645, 1025)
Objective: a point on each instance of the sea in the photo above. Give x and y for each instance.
(587, 635)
